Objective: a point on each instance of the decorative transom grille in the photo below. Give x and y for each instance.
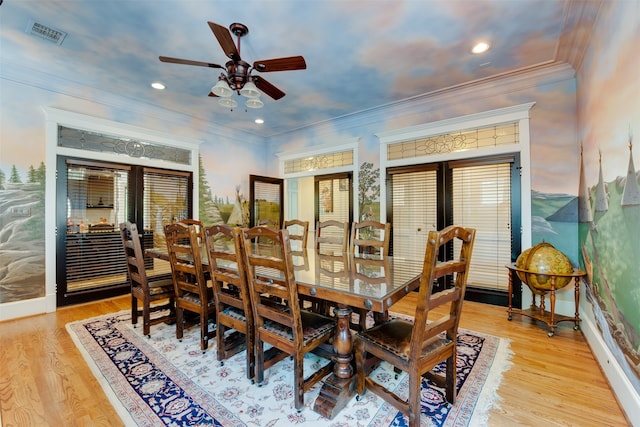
(322, 161)
(92, 141)
(465, 140)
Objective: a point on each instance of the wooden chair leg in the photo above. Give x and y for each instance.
(259, 361)
(251, 356)
(134, 310)
(450, 387)
(146, 318)
(298, 372)
(359, 355)
(415, 382)
(179, 322)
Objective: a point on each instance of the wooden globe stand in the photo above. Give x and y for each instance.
(539, 312)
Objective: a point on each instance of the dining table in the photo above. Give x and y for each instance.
(346, 283)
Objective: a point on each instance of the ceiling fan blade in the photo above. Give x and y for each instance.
(281, 64)
(213, 94)
(189, 62)
(268, 88)
(226, 42)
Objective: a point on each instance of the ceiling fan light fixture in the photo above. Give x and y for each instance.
(228, 102)
(250, 90)
(222, 89)
(254, 103)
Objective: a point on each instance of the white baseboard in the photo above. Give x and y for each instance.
(627, 396)
(30, 307)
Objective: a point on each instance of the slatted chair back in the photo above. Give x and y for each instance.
(418, 347)
(279, 320)
(145, 290)
(231, 294)
(298, 233)
(370, 237)
(332, 237)
(189, 281)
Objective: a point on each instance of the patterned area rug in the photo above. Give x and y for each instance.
(161, 381)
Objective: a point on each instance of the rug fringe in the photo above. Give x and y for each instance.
(122, 412)
(489, 399)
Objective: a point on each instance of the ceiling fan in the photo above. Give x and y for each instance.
(238, 73)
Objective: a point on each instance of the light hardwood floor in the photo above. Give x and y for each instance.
(554, 381)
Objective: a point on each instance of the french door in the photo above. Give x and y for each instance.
(333, 197)
(481, 193)
(93, 199)
(266, 196)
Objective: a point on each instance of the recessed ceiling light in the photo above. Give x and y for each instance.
(480, 48)
(259, 121)
(157, 85)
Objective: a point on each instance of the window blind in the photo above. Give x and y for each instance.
(414, 211)
(93, 249)
(482, 200)
(167, 198)
(267, 202)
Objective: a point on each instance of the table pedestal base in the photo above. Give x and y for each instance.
(337, 389)
(334, 396)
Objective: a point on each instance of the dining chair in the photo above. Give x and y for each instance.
(370, 237)
(418, 347)
(190, 285)
(280, 322)
(144, 289)
(231, 295)
(332, 236)
(298, 233)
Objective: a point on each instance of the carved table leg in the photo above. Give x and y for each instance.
(337, 389)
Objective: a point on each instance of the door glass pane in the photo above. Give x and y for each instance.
(167, 198)
(414, 204)
(96, 204)
(333, 199)
(482, 200)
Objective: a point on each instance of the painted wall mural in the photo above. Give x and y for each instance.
(596, 114)
(608, 119)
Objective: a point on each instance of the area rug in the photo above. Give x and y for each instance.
(160, 381)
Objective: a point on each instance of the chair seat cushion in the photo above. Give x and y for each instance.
(195, 298)
(395, 336)
(313, 326)
(160, 285)
(235, 313)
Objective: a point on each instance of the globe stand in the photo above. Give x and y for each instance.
(539, 312)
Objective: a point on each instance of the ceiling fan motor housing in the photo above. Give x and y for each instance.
(237, 74)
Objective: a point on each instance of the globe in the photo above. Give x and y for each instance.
(540, 262)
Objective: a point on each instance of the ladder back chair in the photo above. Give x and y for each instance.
(231, 295)
(144, 289)
(370, 237)
(190, 284)
(332, 236)
(298, 233)
(416, 348)
(280, 322)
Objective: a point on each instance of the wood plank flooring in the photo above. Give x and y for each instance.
(44, 380)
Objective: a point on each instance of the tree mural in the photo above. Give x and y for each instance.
(368, 189)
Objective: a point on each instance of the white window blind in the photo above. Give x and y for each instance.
(482, 200)
(414, 204)
(267, 203)
(167, 198)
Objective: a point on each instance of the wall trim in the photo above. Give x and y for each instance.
(628, 398)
